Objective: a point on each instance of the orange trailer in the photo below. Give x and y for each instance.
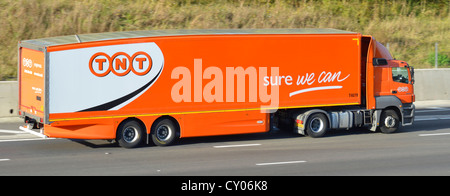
(157, 86)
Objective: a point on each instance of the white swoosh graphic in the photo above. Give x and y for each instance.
(314, 89)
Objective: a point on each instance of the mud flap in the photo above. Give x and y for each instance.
(375, 120)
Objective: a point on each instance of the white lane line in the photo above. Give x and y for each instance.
(28, 139)
(239, 145)
(11, 131)
(425, 119)
(433, 117)
(433, 110)
(32, 132)
(5, 159)
(280, 163)
(434, 134)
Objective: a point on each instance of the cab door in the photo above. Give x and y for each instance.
(401, 85)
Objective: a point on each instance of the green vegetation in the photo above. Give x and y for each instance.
(443, 60)
(411, 27)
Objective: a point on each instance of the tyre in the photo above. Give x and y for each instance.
(317, 125)
(164, 132)
(130, 134)
(389, 121)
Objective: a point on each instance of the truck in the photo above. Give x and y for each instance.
(156, 86)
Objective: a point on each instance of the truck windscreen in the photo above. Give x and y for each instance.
(400, 74)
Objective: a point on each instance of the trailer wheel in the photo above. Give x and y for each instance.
(164, 132)
(317, 125)
(130, 134)
(389, 121)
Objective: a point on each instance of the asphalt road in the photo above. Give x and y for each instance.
(421, 149)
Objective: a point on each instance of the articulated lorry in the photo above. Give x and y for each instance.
(157, 86)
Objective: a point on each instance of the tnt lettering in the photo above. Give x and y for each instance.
(120, 64)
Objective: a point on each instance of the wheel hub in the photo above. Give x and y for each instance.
(389, 121)
(316, 125)
(163, 133)
(130, 134)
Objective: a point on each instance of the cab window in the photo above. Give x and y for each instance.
(400, 74)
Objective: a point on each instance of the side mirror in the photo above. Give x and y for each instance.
(379, 61)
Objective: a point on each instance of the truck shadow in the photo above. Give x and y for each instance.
(429, 126)
(426, 125)
(271, 135)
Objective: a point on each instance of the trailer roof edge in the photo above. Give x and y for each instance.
(71, 39)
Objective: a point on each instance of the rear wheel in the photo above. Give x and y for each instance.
(317, 125)
(164, 132)
(130, 134)
(389, 121)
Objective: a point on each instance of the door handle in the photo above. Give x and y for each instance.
(394, 92)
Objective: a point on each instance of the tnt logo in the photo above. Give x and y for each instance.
(120, 64)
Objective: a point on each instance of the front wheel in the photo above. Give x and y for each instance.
(389, 121)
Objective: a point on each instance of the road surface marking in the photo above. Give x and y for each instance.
(433, 110)
(434, 134)
(28, 139)
(432, 117)
(280, 163)
(11, 131)
(32, 132)
(5, 159)
(239, 145)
